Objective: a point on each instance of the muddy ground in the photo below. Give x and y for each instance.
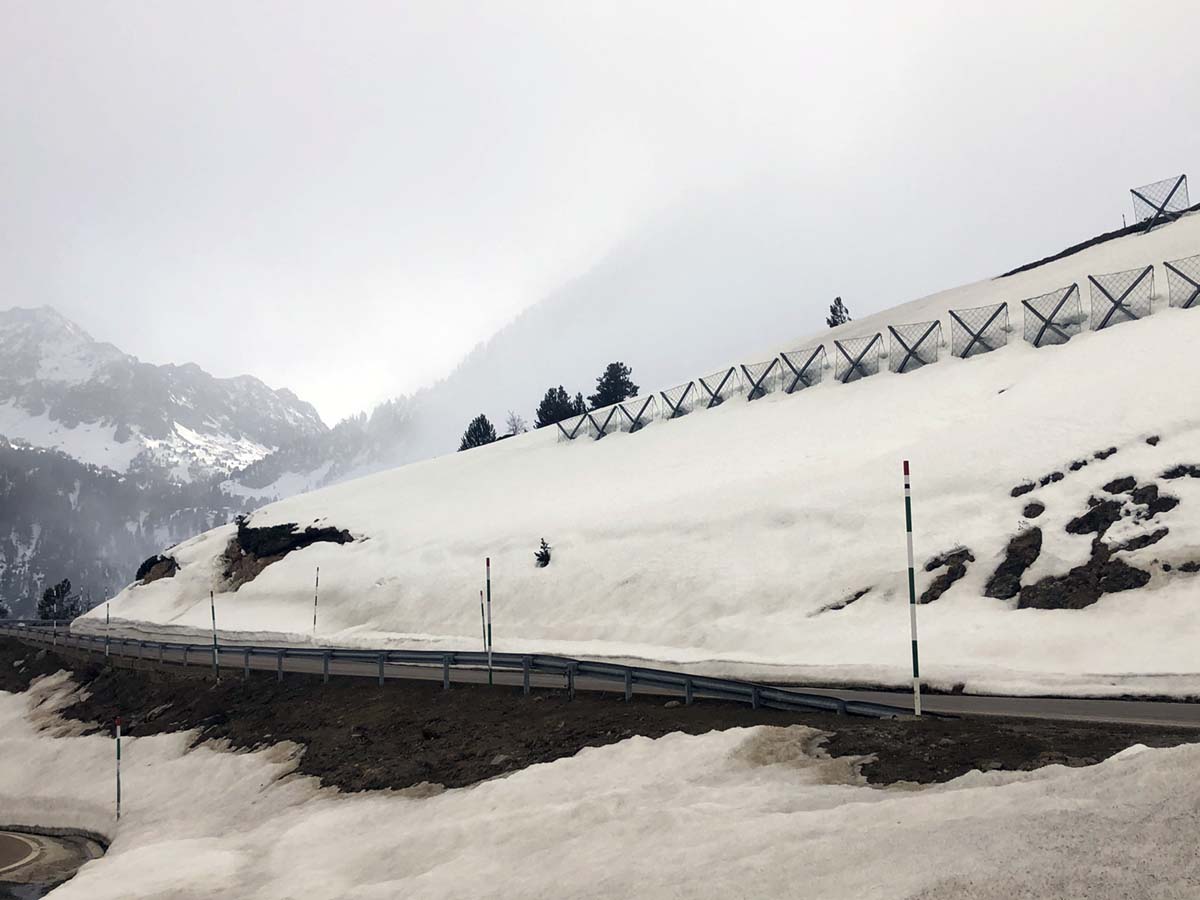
(360, 736)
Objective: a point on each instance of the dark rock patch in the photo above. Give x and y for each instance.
(1190, 567)
(1051, 478)
(157, 567)
(1021, 553)
(1077, 465)
(1147, 495)
(1033, 510)
(1182, 471)
(253, 549)
(1084, 585)
(955, 563)
(1121, 485)
(1144, 540)
(1097, 519)
(1105, 454)
(1153, 440)
(841, 604)
(1023, 489)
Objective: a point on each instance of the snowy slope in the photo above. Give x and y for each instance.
(740, 813)
(719, 538)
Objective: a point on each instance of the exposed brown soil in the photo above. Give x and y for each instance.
(251, 549)
(157, 567)
(359, 736)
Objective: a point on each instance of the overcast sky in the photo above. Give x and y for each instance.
(343, 198)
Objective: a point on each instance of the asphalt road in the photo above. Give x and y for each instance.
(1143, 712)
(15, 851)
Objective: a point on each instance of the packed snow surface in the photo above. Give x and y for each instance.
(752, 812)
(722, 540)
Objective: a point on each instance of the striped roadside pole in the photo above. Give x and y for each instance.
(316, 590)
(118, 767)
(912, 593)
(107, 630)
(488, 571)
(482, 621)
(212, 603)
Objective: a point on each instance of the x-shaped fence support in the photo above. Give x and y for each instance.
(912, 351)
(570, 435)
(714, 396)
(856, 362)
(635, 422)
(1049, 322)
(1119, 302)
(602, 430)
(756, 384)
(800, 375)
(677, 408)
(977, 336)
(1160, 209)
(1190, 280)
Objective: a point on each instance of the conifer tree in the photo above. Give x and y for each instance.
(838, 314)
(478, 433)
(613, 386)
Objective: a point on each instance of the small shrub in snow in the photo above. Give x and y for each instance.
(542, 555)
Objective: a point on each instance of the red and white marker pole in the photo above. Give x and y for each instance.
(488, 574)
(212, 603)
(912, 593)
(107, 630)
(316, 590)
(118, 767)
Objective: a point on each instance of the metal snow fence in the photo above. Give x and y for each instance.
(637, 412)
(679, 400)
(1161, 201)
(604, 421)
(761, 378)
(718, 387)
(1053, 318)
(914, 345)
(569, 429)
(1128, 293)
(857, 358)
(1183, 282)
(805, 366)
(979, 329)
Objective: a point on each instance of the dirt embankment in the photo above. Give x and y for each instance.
(359, 736)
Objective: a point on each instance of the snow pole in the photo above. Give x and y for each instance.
(912, 593)
(212, 605)
(118, 767)
(488, 573)
(316, 589)
(482, 622)
(107, 630)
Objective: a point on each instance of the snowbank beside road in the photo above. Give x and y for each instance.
(747, 812)
(731, 535)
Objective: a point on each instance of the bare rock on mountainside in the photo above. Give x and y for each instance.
(157, 567)
(1021, 553)
(251, 550)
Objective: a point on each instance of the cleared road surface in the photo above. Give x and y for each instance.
(1142, 712)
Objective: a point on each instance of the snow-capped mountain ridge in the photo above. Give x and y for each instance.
(61, 389)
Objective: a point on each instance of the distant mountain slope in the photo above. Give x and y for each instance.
(1056, 521)
(61, 389)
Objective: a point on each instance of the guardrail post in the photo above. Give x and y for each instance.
(445, 673)
(687, 692)
(382, 659)
(571, 681)
(279, 666)
(525, 663)
(185, 654)
(54, 626)
(160, 654)
(628, 685)
(141, 650)
(246, 664)
(754, 702)
(325, 668)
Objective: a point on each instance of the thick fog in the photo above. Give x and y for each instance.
(345, 199)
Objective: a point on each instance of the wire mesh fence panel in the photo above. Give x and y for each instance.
(718, 387)
(914, 345)
(637, 412)
(802, 368)
(604, 421)
(1183, 282)
(678, 401)
(1121, 296)
(569, 429)
(857, 358)
(1160, 201)
(979, 329)
(761, 378)
(1053, 318)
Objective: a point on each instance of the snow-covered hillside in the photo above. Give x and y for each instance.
(748, 812)
(767, 537)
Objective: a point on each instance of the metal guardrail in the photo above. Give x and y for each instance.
(688, 687)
